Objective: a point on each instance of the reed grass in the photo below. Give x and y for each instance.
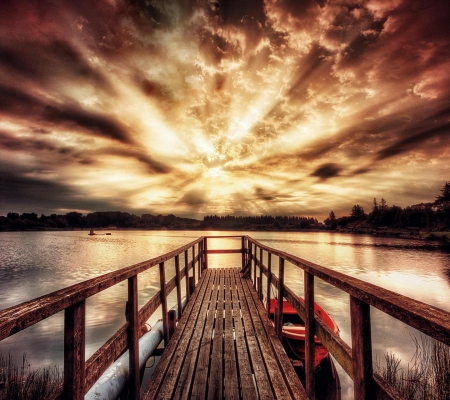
(19, 382)
(427, 376)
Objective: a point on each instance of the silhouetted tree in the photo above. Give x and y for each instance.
(357, 212)
(443, 199)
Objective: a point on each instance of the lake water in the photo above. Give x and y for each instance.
(36, 263)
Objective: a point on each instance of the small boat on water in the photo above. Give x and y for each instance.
(293, 338)
(92, 233)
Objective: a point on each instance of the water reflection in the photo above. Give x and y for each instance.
(36, 263)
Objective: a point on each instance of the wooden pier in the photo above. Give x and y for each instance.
(223, 345)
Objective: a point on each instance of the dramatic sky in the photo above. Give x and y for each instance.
(194, 107)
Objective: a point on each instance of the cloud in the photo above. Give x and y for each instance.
(442, 132)
(225, 106)
(18, 104)
(327, 171)
(22, 192)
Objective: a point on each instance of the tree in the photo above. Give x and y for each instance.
(333, 223)
(357, 212)
(443, 199)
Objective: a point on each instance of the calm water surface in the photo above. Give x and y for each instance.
(36, 263)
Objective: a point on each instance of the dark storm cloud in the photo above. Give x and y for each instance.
(327, 171)
(154, 89)
(312, 64)
(260, 193)
(248, 17)
(44, 62)
(10, 142)
(263, 194)
(139, 154)
(41, 196)
(16, 103)
(215, 48)
(234, 11)
(94, 123)
(415, 140)
(194, 200)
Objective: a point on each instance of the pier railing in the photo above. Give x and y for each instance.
(81, 374)
(357, 359)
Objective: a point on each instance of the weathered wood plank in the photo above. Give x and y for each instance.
(201, 373)
(185, 379)
(261, 378)
(231, 384)
(179, 340)
(278, 383)
(215, 389)
(248, 389)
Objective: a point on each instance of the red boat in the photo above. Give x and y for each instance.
(327, 380)
(293, 331)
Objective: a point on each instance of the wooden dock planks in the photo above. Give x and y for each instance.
(221, 348)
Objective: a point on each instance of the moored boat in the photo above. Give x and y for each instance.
(293, 338)
(293, 331)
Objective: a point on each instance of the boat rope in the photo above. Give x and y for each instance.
(288, 342)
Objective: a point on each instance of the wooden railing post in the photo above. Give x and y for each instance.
(279, 321)
(74, 351)
(243, 252)
(200, 255)
(205, 251)
(165, 318)
(193, 262)
(191, 284)
(361, 350)
(247, 252)
(269, 281)
(178, 283)
(172, 315)
(133, 338)
(186, 276)
(260, 292)
(309, 335)
(250, 247)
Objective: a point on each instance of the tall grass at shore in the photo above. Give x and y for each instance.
(20, 382)
(427, 377)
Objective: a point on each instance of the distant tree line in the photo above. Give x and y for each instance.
(98, 219)
(124, 220)
(259, 222)
(430, 216)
